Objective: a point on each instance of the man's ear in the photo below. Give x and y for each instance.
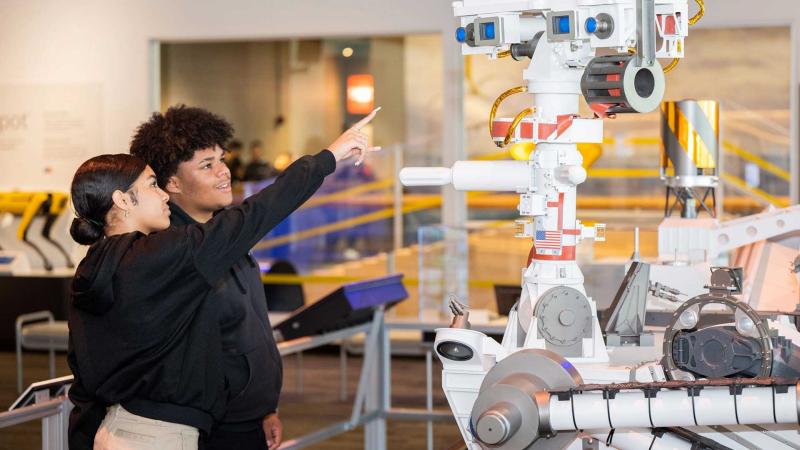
(173, 185)
(120, 200)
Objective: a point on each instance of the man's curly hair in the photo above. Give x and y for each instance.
(168, 139)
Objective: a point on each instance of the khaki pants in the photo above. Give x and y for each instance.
(122, 430)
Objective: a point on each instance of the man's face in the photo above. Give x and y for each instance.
(203, 183)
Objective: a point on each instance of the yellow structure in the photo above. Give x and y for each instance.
(30, 205)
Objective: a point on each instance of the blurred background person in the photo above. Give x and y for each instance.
(258, 168)
(233, 158)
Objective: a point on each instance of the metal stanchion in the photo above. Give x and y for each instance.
(429, 393)
(299, 375)
(342, 371)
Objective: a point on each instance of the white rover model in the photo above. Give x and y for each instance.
(723, 374)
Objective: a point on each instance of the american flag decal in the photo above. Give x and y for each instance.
(547, 242)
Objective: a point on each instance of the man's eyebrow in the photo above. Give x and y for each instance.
(210, 158)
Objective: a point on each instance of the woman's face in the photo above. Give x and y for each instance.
(149, 211)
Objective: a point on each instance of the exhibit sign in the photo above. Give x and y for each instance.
(46, 131)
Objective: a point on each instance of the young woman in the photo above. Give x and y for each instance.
(145, 343)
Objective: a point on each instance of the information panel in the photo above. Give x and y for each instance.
(46, 131)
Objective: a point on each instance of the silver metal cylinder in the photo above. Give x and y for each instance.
(690, 143)
(512, 410)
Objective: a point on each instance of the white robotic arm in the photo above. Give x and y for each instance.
(499, 176)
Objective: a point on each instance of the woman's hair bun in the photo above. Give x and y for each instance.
(92, 191)
(85, 232)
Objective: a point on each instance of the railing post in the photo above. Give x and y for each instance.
(52, 426)
(377, 392)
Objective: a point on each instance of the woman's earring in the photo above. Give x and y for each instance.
(126, 213)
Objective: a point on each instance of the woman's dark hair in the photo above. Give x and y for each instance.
(169, 139)
(92, 188)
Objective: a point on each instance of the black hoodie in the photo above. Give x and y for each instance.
(144, 320)
(252, 363)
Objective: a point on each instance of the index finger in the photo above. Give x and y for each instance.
(363, 122)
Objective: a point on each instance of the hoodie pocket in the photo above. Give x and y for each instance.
(258, 395)
(237, 374)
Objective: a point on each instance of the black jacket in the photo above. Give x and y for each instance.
(145, 310)
(252, 364)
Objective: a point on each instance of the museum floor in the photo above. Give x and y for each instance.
(317, 406)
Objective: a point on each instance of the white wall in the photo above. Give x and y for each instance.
(108, 42)
(424, 109)
(237, 80)
(48, 42)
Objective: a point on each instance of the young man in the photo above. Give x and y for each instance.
(185, 148)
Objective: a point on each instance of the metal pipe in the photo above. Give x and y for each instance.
(299, 375)
(342, 371)
(734, 405)
(306, 343)
(645, 33)
(429, 394)
(367, 366)
(397, 224)
(33, 412)
(419, 415)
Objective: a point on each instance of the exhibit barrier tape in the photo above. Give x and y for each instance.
(386, 213)
(642, 141)
(348, 193)
(646, 173)
(727, 145)
(503, 154)
(421, 202)
(343, 279)
(347, 223)
(505, 201)
(378, 185)
(621, 173)
(730, 147)
(762, 163)
(482, 200)
(741, 184)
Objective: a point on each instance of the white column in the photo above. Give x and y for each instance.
(454, 205)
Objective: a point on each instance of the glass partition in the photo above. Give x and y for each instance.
(296, 96)
(750, 80)
(293, 97)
